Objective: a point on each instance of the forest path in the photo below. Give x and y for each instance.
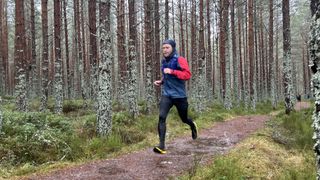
(182, 153)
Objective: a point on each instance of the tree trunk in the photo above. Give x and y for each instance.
(20, 61)
(241, 81)
(251, 52)
(104, 113)
(166, 19)
(45, 57)
(93, 49)
(121, 50)
(194, 63)
(69, 62)
(157, 45)
(201, 76)
(58, 86)
(287, 62)
(182, 47)
(34, 83)
(271, 61)
(234, 55)
(132, 64)
(2, 64)
(224, 6)
(314, 50)
(148, 53)
(209, 73)
(4, 50)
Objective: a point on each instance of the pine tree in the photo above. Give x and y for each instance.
(314, 41)
(2, 70)
(287, 61)
(272, 64)
(58, 61)
(93, 49)
(34, 77)
(132, 63)
(121, 45)
(45, 57)
(104, 112)
(20, 61)
(251, 53)
(148, 53)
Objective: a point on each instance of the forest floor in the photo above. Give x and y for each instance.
(183, 153)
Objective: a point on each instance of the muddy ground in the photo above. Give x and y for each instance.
(182, 154)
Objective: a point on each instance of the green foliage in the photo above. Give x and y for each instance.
(35, 138)
(225, 169)
(296, 129)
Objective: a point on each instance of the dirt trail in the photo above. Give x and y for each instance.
(182, 154)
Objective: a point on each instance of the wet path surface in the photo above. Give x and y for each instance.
(182, 154)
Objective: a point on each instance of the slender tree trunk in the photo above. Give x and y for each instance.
(173, 22)
(287, 61)
(182, 46)
(104, 113)
(194, 64)
(85, 74)
(34, 83)
(157, 45)
(148, 53)
(4, 50)
(234, 55)
(20, 61)
(209, 73)
(251, 52)
(132, 64)
(201, 76)
(58, 62)
(2, 63)
(70, 72)
(241, 81)
(121, 50)
(166, 24)
(314, 50)
(93, 49)
(271, 61)
(45, 57)
(222, 44)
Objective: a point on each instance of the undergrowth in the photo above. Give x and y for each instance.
(36, 141)
(283, 150)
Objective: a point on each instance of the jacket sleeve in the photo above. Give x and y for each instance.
(184, 73)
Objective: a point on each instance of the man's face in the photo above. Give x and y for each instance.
(166, 50)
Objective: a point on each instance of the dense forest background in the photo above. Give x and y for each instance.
(239, 51)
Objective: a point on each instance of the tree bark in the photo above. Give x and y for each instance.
(148, 53)
(93, 49)
(34, 83)
(20, 61)
(251, 52)
(287, 62)
(271, 59)
(166, 4)
(104, 113)
(121, 50)
(314, 50)
(69, 62)
(45, 57)
(58, 61)
(132, 64)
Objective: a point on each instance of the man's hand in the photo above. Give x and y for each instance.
(167, 71)
(157, 83)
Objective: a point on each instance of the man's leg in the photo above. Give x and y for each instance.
(182, 107)
(165, 106)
